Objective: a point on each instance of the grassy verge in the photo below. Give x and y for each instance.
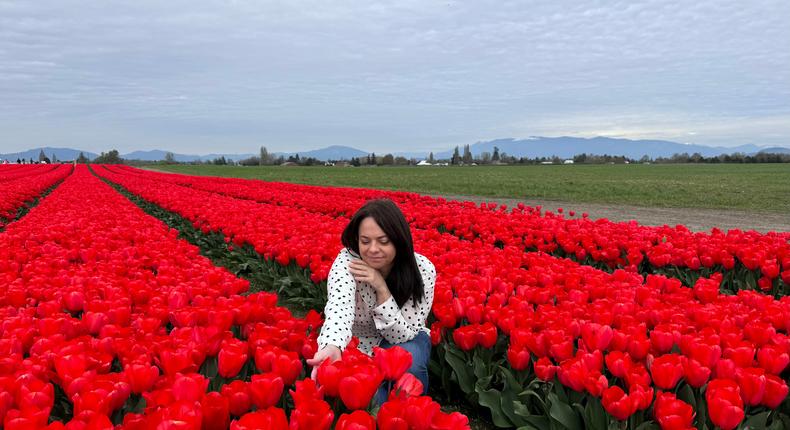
(750, 187)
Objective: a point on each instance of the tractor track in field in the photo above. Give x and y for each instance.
(696, 219)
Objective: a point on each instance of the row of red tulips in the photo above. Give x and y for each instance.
(14, 171)
(20, 184)
(747, 259)
(107, 320)
(515, 318)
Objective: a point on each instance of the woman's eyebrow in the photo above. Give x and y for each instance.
(383, 236)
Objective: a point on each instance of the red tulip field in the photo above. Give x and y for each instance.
(133, 299)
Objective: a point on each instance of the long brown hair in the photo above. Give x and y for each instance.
(404, 280)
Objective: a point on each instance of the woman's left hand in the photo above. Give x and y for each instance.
(364, 273)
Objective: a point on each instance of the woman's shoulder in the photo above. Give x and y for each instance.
(424, 264)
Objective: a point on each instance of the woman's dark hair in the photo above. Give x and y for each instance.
(404, 280)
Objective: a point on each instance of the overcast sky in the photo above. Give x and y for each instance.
(229, 76)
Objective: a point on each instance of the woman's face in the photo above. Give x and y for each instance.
(375, 247)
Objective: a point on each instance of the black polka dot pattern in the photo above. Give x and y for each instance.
(351, 309)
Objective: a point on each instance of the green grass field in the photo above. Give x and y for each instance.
(750, 187)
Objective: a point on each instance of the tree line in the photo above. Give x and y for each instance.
(459, 157)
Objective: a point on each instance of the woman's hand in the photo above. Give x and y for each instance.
(364, 273)
(330, 352)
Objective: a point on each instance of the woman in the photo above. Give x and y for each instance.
(379, 290)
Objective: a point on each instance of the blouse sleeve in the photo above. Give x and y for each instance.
(339, 309)
(398, 325)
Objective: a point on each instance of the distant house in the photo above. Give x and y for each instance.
(546, 162)
(567, 162)
(424, 163)
(288, 164)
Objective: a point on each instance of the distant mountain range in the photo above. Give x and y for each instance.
(563, 147)
(567, 147)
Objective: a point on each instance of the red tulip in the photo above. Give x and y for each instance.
(357, 420)
(667, 371)
(391, 416)
(314, 415)
(141, 377)
(773, 359)
(596, 336)
(545, 369)
(466, 337)
(519, 359)
(695, 374)
(617, 403)
(392, 362)
(306, 390)
(266, 390)
(752, 383)
(328, 377)
(232, 357)
(288, 366)
(672, 413)
(407, 386)
(357, 390)
(725, 405)
(487, 335)
(189, 388)
(238, 395)
(618, 363)
(216, 411)
(775, 391)
(270, 419)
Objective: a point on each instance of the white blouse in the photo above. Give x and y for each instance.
(351, 309)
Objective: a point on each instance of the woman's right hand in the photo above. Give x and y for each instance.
(330, 352)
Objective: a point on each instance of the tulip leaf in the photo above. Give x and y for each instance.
(461, 368)
(508, 397)
(686, 393)
(492, 400)
(649, 425)
(594, 414)
(563, 414)
(756, 422)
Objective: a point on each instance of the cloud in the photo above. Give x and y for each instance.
(386, 75)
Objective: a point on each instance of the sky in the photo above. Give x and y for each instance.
(199, 77)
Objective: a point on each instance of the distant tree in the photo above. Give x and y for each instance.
(388, 160)
(456, 159)
(467, 157)
(42, 156)
(252, 161)
(430, 158)
(220, 161)
(18, 161)
(112, 157)
(355, 161)
(54, 158)
(645, 159)
(265, 158)
(82, 159)
(170, 158)
(401, 161)
(495, 156)
(485, 157)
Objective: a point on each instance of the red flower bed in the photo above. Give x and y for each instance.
(108, 320)
(22, 183)
(747, 259)
(515, 327)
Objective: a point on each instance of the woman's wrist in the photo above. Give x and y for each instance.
(382, 295)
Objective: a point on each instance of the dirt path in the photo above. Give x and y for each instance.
(694, 219)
